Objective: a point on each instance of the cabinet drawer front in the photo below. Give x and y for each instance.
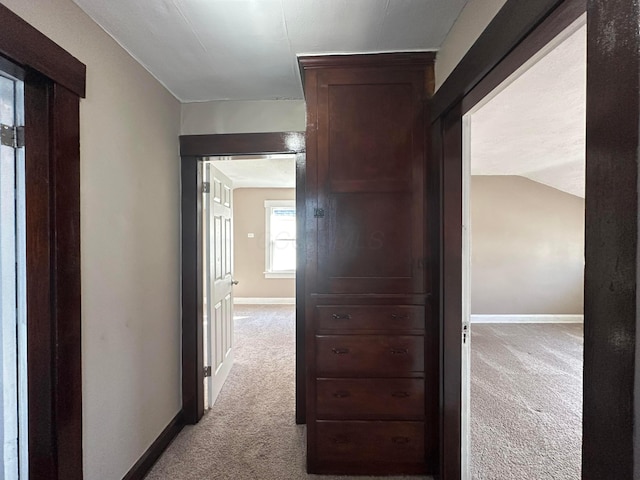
(375, 355)
(378, 317)
(370, 398)
(370, 443)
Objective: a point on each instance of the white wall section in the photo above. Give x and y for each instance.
(130, 229)
(249, 253)
(527, 248)
(243, 117)
(470, 24)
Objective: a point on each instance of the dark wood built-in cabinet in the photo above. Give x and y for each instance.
(371, 330)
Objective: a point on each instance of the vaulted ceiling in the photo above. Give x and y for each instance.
(246, 49)
(535, 127)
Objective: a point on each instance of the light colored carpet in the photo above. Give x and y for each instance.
(526, 401)
(250, 434)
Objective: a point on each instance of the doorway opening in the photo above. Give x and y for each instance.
(523, 268)
(249, 264)
(195, 150)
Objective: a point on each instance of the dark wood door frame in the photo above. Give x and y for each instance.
(194, 149)
(611, 383)
(54, 81)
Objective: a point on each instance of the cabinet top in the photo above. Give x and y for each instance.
(414, 59)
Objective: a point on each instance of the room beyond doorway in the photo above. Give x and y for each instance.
(523, 268)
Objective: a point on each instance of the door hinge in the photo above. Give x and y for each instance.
(207, 372)
(206, 187)
(318, 212)
(465, 332)
(12, 136)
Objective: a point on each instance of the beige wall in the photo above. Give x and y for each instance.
(130, 243)
(527, 243)
(249, 253)
(471, 22)
(243, 117)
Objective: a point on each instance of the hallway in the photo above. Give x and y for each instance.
(250, 434)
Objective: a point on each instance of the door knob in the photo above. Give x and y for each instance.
(234, 282)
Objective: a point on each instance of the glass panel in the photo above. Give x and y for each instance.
(283, 239)
(13, 385)
(7, 101)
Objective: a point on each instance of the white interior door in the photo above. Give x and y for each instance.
(465, 425)
(218, 282)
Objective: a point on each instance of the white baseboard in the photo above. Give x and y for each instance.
(264, 301)
(527, 318)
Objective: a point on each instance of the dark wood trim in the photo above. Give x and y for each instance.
(241, 144)
(194, 149)
(511, 25)
(65, 172)
(451, 293)
(373, 60)
(157, 448)
(53, 83)
(301, 262)
(410, 59)
(566, 13)
(611, 446)
(42, 448)
(28, 47)
(192, 346)
(519, 30)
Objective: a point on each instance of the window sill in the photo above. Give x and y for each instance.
(279, 274)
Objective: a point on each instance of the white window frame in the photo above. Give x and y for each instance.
(268, 206)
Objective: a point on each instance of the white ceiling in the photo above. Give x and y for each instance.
(246, 49)
(266, 171)
(536, 126)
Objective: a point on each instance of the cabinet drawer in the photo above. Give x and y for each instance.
(371, 445)
(370, 317)
(367, 398)
(374, 355)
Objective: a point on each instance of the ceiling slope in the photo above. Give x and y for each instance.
(536, 126)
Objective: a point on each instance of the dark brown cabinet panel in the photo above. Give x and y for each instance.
(380, 317)
(371, 447)
(365, 246)
(371, 333)
(371, 175)
(383, 355)
(370, 398)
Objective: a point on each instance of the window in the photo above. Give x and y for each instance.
(280, 238)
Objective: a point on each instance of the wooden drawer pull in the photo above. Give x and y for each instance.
(341, 440)
(400, 394)
(400, 440)
(340, 351)
(396, 316)
(341, 316)
(399, 351)
(341, 394)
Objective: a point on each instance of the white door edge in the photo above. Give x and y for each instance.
(465, 401)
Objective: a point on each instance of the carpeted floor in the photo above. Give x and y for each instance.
(250, 434)
(526, 406)
(526, 401)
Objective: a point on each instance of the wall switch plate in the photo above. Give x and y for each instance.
(250, 235)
